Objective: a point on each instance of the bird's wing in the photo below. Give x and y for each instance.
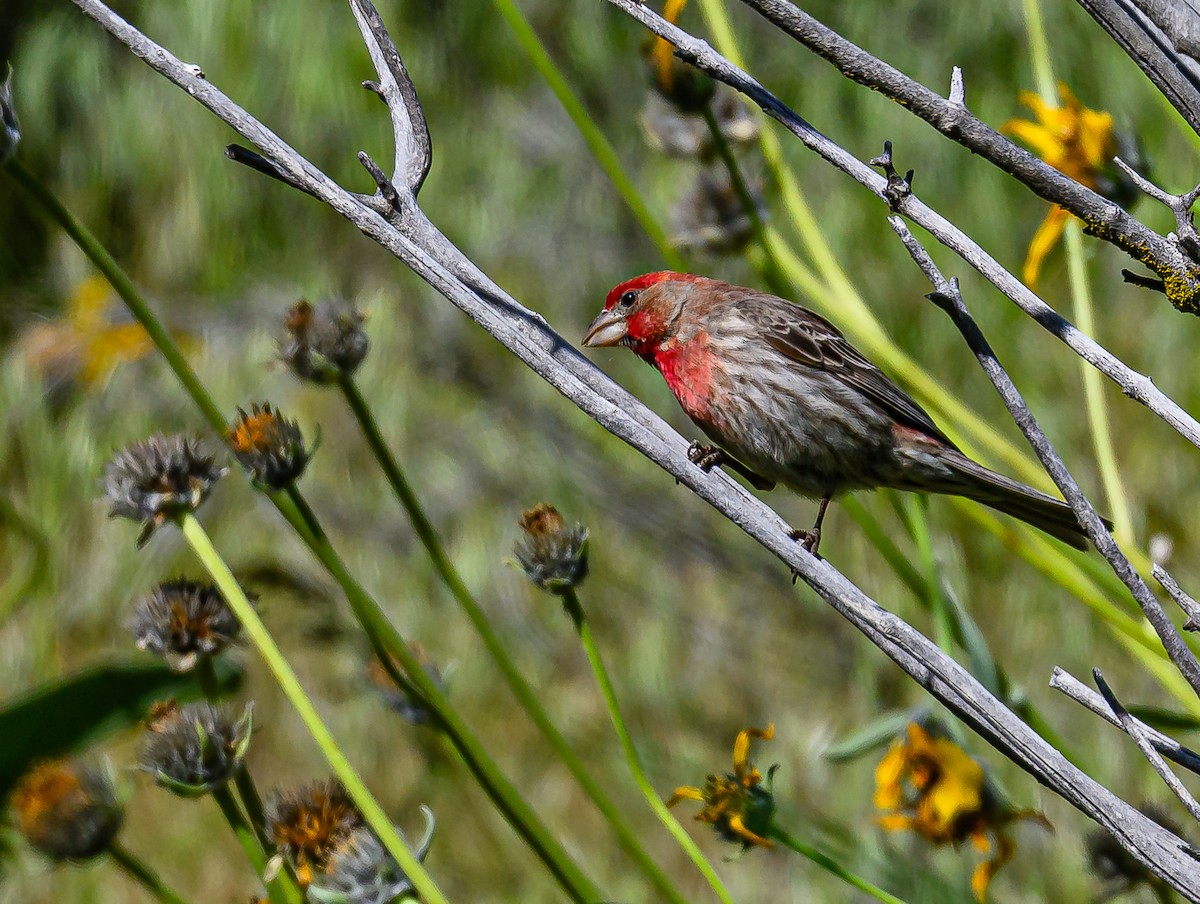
(813, 341)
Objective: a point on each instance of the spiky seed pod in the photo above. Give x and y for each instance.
(193, 749)
(182, 621)
(552, 555)
(157, 479)
(309, 823)
(67, 809)
(269, 446)
(322, 343)
(361, 871)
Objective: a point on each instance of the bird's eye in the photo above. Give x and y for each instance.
(627, 299)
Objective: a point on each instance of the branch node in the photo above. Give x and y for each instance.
(1144, 282)
(1184, 236)
(387, 188)
(898, 187)
(375, 88)
(1182, 599)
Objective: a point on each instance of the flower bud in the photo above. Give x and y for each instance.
(269, 446)
(182, 621)
(361, 871)
(67, 809)
(322, 344)
(309, 823)
(193, 749)
(158, 479)
(552, 555)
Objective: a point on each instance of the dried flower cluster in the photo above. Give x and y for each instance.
(323, 343)
(67, 809)
(193, 749)
(183, 620)
(552, 555)
(361, 871)
(269, 446)
(158, 479)
(309, 824)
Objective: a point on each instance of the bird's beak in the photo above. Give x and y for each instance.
(607, 329)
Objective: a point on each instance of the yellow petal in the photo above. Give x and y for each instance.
(896, 822)
(663, 49)
(88, 304)
(1043, 242)
(1044, 143)
(685, 792)
(741, 747)
(112, 347)
(889, 775)
(983, 874)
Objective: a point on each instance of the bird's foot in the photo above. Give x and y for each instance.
(810, 541)
(705, 457)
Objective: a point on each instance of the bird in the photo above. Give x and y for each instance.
(788, 400)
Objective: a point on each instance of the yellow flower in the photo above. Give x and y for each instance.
(1073, 139)
(928, 784)
(85, 345)
(736, 804)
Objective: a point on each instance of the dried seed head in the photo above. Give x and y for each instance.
(398, 699)
(677, 134)
(193, 749)
(309, 823)
(183, 620)
(67, 809)
(711, 217)
(552, 555)
(269, 446)
(156, 479)
(321, 344)
(10, 129)
(361, 871)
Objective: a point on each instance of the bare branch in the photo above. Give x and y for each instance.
(1135, 385)
(1101, 217)
(947, 297)
(414, 150)
(1165, 50)
(1068, 684)
(1132, 727)
(1190, 607)
(1179, 205)
(418, 244)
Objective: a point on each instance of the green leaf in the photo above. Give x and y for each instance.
(69, 714)
(1164, 719)
(882, 731)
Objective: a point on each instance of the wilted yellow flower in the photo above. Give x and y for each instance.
(928, 784)
(85, 344)
(736, 804)
(1076, 141)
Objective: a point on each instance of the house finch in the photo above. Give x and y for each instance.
(789, 400)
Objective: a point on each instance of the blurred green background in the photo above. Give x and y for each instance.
(703, 631)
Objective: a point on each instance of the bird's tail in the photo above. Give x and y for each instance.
(1009, 496)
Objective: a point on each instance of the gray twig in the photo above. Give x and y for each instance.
(1179, 205)
(432, 257)
(1166, 54)
(1136, 385)
(1103, 218)
(1068, 684)
(947, 297)
(1191, 609)
(414, 150)
(1132, 727)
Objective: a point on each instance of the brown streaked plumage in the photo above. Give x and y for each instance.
(780, 390)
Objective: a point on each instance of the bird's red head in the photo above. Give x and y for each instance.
(636, 313)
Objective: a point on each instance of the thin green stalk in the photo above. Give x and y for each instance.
(123, 286)
(389, 645)
(520, 688)
(600, 147)
(1039, 51)
(828, 863)
(279, 890)
(915, 510)
(142, 874)
(575, 610)
(258, 634)
(501, 791)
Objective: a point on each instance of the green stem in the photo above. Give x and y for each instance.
(389, 645)
(575, 610)
(525, 694)
(1039, 51)
(1093, 390)
(123, 286)
(600, 147)
(915, 510)
(828, 863)
(280, 890)
(143, 875)
(258, 634)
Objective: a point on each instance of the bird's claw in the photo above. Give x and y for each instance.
(810, 542)
(705, 457)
